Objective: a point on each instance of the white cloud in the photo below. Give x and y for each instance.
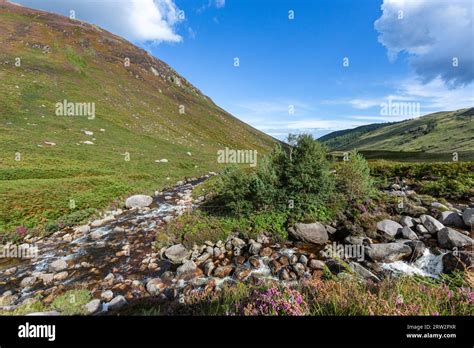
(432, 33)
(136, 20)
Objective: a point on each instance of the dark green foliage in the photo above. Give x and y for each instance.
(298, 182)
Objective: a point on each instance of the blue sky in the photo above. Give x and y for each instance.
(398, 51)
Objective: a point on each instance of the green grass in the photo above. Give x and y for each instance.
(138, 111)
(439, 133)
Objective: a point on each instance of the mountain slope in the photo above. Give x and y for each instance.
(144, 112)
(441, 132)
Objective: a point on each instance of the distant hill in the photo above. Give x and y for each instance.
(439, 132)
(143, 108)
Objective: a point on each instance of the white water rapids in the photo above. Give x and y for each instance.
(428, 265)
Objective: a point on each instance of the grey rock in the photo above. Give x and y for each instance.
(316, 264)
(432, 225)
(388, 252)
(421, 229)
(363, 272)
(389, 227)
(449, 238)
(208, 268)
(92, 307)
(187, 267)
(155, 286)
(27, 282)
(176, 253)
(138, 201)
(451, 218)
(408, 233)
(254, 247)
(58, 265)
(118, 302)
(238, 243)
(468, 216)
(407, 221)
(312, 233)
(107, 295)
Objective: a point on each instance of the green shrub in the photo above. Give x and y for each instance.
(353, 179)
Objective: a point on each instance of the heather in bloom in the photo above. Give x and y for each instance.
(275, 301)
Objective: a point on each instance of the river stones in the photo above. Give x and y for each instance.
(389, 227)
(107, 295)
(223, 271)
(117, 302)
(407, 221)
(138, 201)
(387, 252)
(451, 218)
(28, 282)
(432, 225)
(186, 268)
(176, 253)
(468, 216)
(92, 307)
(408, 233)
(311, 233)
(58, 265)
(363, 272)
(155, 286)
(449, 238)
(316, 264)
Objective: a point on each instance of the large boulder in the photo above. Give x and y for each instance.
(138, 201)
(449, 238)
(451, 218)
(389, 227)
(432, 225)
(312, 233)
(388, 252)
(177, 253)
(468, 216)
(407, 221)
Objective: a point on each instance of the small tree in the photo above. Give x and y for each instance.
(353, 178)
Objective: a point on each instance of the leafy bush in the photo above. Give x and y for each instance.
(297, 181)
(353, 178)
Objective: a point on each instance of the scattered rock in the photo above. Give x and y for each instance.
(432, 225)
(27, 282)
(58, 265)
(223, 271)
(312, 233)
(407, 221)
(449, 238)
(155, 286)
(265, 252)
(186, 268)
(456, 261)
(107, 295)
(408, 233)
(389, 227)
(176, 253)
(138, 201)
(388, 252)
(118, 302)
(92, 307)
(451, 218)
(82, 229)
(468, 217)
(316, 264)
(363, 272)
(61, 276)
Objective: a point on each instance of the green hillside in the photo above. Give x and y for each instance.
(143, 109)
(441, 132)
